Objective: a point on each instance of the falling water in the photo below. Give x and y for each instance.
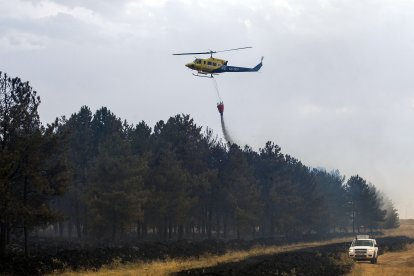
(225, 132)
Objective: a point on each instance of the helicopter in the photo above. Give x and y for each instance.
(214, 66)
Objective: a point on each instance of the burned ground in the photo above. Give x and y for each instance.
(321, 260)
(290, 263)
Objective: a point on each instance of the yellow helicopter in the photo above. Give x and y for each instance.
(214, 66)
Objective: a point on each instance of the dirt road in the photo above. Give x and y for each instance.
(392, 263)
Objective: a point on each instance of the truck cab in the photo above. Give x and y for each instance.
(364, 248)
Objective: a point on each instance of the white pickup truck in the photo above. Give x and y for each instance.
(364, 249)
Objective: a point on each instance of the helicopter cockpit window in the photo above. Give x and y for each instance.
(197, 61)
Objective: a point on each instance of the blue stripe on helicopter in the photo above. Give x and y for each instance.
(225, 68)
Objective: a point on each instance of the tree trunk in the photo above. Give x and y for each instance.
(26, 249)
(85, 223)
(188, 230)
(139, 230)
(61, 229)
(225, 226)
(170, 230)
(180, 232)
(209, 224)
(165, 229)
(26, 242)
(78, 221)
(114, 224)
(271, 229)
(353, 221)
(144, 230)
(203, 227)
(357, 223)
(3, 239)
(218, 227)
(78, 228)
(70, 229)
(7, 235)
(55, 229)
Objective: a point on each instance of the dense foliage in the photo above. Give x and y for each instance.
(32, 169)
(98, 178)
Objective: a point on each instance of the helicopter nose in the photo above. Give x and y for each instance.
(189, 65)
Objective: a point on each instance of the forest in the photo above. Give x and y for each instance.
(96, 178)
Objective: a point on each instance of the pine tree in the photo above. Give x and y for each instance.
(116, 192)
(239, 192)
(392, 219)
(331, 188)
(31, 162)
(365, 204)
(80, 153)
(170, 199)
(274, 189)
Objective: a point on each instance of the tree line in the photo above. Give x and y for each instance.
(98, 178)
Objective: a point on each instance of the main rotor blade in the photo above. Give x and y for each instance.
(233, 49)
(212, 52)
(201, 53)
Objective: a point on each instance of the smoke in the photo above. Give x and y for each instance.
(225, 132)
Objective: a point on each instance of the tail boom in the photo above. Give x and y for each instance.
(225, 68)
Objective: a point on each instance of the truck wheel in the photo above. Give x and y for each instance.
(374, 260)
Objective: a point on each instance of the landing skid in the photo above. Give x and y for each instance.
(205, 76)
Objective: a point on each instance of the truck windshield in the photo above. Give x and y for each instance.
(362, 243)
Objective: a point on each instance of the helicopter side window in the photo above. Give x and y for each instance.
(209, 63)
(214, 64)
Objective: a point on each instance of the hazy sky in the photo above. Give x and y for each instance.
(335, 90)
